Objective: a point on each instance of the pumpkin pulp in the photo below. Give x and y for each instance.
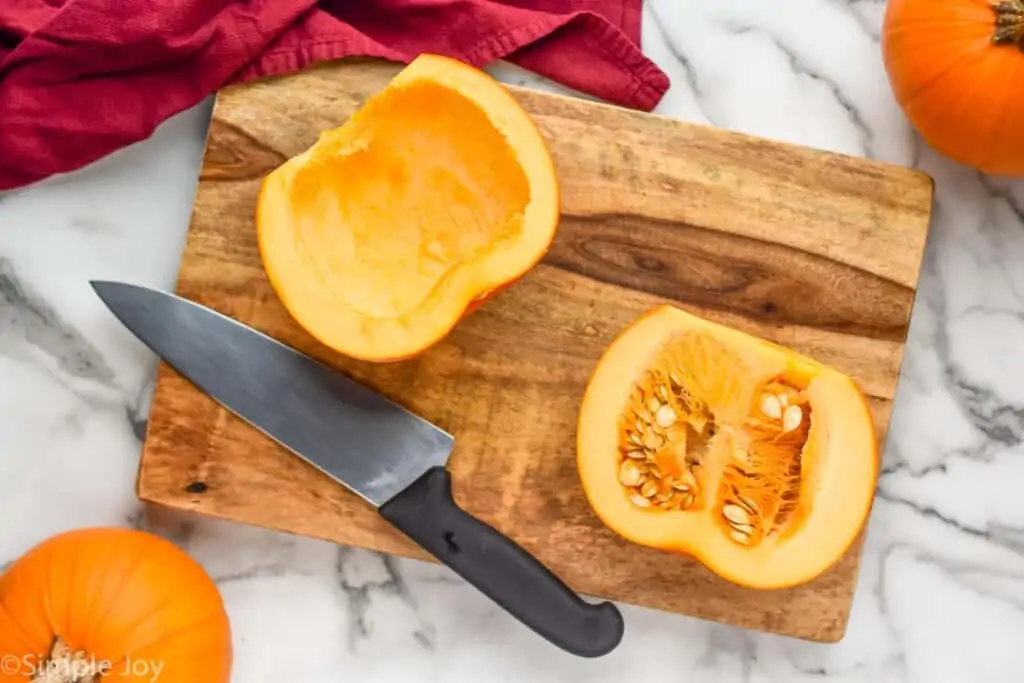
(438, 191)
(700, 439)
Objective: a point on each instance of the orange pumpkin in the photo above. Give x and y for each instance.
(700, 439)
(956, 67)
(435, 195)
(111, 604)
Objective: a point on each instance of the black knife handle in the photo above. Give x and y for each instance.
(501, 569)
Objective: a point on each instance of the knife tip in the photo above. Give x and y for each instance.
(99, 286)
(109, 290)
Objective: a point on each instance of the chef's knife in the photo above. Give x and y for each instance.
(392, 458)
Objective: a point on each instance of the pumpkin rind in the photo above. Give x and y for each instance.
(435, 195)
(956, 68)
(838, 469)
(126, 600)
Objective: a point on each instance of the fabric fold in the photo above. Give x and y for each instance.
(82, 78)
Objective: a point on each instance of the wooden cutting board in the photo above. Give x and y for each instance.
(816, 251)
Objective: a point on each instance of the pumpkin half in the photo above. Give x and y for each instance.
(437, 193)
(956, 67)
(111, 604)
(700, 439)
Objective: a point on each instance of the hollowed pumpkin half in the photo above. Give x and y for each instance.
(438, 192)
(697, 438)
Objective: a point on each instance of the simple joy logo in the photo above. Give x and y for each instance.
(73, 669)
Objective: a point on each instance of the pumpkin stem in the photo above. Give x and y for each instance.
(1009, 23)
(64, 666)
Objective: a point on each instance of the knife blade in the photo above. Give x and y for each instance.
(392, 458)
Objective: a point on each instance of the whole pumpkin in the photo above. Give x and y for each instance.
(111, 604)
(956, 68)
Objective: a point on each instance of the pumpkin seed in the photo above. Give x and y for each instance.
(750, 505)
(736, 514)
(664, 496)
(770, 406)
(685, 481)
(665, 417)
(739, 536)
(649, 488)
(639, 501)
(652, 441)
(792, 418)
(629, 473)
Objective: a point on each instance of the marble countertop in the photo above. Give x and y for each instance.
(941, 593)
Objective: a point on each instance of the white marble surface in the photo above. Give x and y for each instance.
(941, 594)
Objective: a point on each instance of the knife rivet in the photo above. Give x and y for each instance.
(449, 539)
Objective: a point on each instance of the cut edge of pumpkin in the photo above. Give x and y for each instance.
(463, 288)
(827, 532)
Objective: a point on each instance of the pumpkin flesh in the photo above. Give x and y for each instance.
(757, 461)
(957, 70)
(125, 602)
(438, 191)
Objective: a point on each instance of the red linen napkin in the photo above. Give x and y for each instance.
(81, 78)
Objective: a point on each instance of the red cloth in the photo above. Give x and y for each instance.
(81, 78)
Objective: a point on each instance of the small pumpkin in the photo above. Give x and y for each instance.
(956, 68)
(700, 439)
(111, 604)
(436, 194)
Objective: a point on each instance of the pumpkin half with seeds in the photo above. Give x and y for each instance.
(755, 460)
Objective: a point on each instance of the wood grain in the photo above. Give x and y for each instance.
(816, 251)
